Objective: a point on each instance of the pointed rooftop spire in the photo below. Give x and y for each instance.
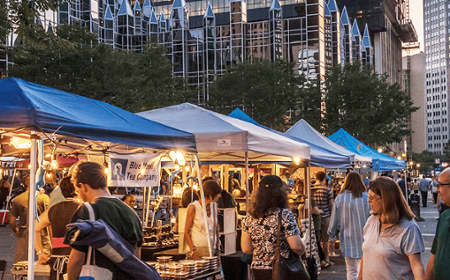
(275, 5)
(366, 37)
(326, 10)
(147, 8)
(355, 29)
(332, 6)
(108, 14)
(137, 6)
(161, 17)
(179, 4)
(344, 17)
(50, 28)
(153, 19)
(125, 9)
(209, 12)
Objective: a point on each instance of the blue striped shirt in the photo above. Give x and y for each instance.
(349, 216)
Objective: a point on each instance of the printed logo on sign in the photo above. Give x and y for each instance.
(224, 142)
(118, 169)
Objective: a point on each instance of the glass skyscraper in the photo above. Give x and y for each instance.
(202, 37)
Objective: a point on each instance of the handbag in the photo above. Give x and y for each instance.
(290, 268)
(93, 272)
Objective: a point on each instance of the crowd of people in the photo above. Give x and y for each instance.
(379, 237)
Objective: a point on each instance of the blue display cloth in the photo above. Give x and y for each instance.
(222, 138)
(43, 109)
(319, 156)
(302, 130)
(380, 162)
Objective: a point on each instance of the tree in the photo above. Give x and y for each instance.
(366, 105)
(73, 61)
(426, 160)
(5, 24)
(267, 91)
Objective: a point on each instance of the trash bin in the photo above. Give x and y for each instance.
(414, 204)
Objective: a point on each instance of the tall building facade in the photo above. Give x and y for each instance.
(437, 55)
(389, 26)
(202, 38)
(413, 81)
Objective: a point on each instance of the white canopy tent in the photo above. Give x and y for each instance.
(226, 139)
(221, 138)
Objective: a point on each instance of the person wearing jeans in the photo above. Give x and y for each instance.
(351, 210)
(424, 187)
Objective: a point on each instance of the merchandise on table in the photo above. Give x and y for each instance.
(184, 269)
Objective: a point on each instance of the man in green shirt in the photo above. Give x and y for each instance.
(438, 266)
(90, 183)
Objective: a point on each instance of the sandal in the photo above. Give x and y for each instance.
(324, 264)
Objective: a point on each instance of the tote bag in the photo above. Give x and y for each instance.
(93, 272)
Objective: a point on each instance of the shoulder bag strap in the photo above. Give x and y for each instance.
(279, 232)
(92, 218)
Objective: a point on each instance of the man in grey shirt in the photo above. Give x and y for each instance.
(424, 186)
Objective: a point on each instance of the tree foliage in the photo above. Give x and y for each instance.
(366, 105)
(269, 92)
(73, 61)
(426, 160)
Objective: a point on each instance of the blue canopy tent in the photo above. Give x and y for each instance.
(303, 131)
(30, 106)
(319, 156)
(69, 121)
(380, 162)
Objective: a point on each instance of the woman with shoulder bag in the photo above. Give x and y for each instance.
(195, 227)
(262, 228)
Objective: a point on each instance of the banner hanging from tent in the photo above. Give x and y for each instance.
(140, 170)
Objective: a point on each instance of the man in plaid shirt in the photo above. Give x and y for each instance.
(323, 197)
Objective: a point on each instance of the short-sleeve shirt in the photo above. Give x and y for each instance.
(19, 207)
(60, 215)
(122, 219)
(441, 248)
(263, 233)
(322, 195)
(385, 254)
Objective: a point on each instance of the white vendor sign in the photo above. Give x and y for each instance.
(134, 170)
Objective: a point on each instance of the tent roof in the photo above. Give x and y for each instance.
(223, 138)
(35, 107)
(319, 156)
(304, 131)
(380, 162)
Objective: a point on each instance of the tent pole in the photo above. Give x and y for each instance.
(246, 183)
(202, 194)
(32, 205)
(308, 206)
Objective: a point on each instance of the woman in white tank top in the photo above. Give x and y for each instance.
(195, 228)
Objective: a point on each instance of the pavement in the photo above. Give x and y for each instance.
(337, 271)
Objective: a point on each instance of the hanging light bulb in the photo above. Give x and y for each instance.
(20, 143)
(106, 168)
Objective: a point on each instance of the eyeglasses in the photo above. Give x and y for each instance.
(370, 199)
(441, 184)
